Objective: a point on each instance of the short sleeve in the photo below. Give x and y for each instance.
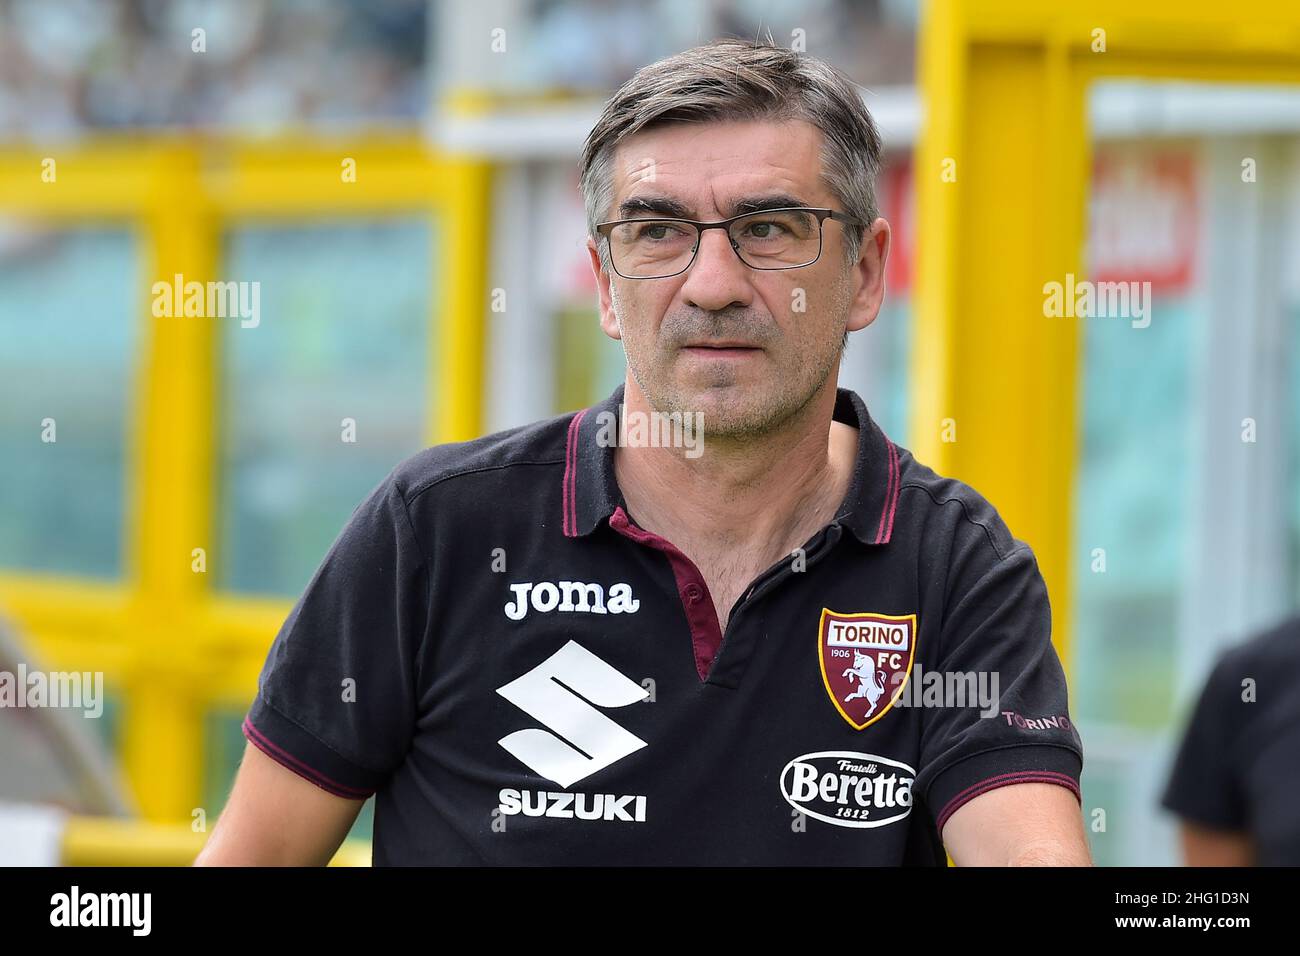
(1203, 785)
(336, 696)
(996, 636)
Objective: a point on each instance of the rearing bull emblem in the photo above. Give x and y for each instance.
(866, 660)
(871, 686)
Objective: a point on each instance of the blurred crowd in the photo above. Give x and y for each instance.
(594, 45)
(67, 66)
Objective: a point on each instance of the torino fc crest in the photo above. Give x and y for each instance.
(865, 660)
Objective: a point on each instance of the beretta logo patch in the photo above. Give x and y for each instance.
(866, 660)
(849, 789)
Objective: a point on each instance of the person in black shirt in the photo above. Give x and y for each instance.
(719, 618)
(1237, 771)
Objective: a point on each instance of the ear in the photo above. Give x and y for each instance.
(869, 276)
(608, 320)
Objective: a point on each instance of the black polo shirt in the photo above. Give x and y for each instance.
(522, 675)
(1238, 766)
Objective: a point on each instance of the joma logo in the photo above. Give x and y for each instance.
(570, 596)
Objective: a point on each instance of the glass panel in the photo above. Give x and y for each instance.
(877, 365)
(1132, 501)
(68, 336)
(1134, 510)
(1138, 455)
(344, 334)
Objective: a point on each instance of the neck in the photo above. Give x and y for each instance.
(766, 495)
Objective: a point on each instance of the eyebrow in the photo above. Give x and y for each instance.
(665, 206)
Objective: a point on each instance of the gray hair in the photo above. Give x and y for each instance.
(739, 79)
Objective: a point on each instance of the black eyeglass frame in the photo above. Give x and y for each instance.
(822, 214)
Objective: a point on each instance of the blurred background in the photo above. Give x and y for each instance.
(198, 475)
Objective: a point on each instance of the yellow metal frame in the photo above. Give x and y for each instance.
(162, 634)
(1004, 85)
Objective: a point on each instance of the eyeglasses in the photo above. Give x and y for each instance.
(788, 238)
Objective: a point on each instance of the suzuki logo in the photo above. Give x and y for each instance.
(585, 740)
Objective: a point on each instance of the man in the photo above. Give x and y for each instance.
(574, 643)
(1233, 783)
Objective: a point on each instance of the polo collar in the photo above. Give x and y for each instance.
(591, 494)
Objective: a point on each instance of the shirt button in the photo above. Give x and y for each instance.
(693, 592)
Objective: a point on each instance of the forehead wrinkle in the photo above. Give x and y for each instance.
(779, 172)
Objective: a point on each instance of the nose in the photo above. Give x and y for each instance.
(717, 279)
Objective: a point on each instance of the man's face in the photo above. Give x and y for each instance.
(748, 348)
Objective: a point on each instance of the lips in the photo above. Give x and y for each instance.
(721, 352)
